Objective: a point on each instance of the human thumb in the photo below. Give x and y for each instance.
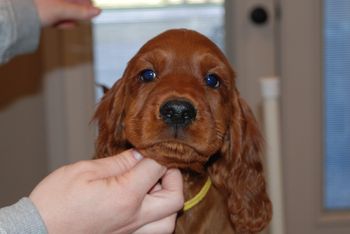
(115, 165)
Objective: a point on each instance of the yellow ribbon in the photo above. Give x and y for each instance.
(199, 197)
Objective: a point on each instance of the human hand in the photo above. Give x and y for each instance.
(118, 194)
(65, 13)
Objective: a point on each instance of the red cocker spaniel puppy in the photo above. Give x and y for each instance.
(177, 103)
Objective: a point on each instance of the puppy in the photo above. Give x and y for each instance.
(177, 103)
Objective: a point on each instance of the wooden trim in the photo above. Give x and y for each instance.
(69, 94)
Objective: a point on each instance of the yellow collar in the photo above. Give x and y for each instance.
(199, 197)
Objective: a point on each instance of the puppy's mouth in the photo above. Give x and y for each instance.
(173, 140)
(173, 154)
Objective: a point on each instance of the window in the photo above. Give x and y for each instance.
(337, 103)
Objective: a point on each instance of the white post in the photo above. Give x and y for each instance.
(270, 93)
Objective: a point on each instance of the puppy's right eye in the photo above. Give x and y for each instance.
(212, 80)
(147, 75)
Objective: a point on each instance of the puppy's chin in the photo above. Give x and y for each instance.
(176, 155)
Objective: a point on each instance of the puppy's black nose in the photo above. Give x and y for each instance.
(178, 113)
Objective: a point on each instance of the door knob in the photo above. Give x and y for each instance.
(259, 15)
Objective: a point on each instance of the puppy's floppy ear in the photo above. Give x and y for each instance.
(103, 87)
(239, 172)
(110, 120)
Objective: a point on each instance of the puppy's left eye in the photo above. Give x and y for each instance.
(147, 75)
(212, 80)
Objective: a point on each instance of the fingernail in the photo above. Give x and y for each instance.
(137, 155)
(96, 11)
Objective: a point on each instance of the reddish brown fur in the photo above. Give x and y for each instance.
(223, 142)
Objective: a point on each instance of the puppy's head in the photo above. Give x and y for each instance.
(171, 103)
(177, 103)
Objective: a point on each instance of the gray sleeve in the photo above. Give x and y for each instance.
(19, 28)
(22, 217)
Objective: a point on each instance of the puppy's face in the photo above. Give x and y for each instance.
(178, 87)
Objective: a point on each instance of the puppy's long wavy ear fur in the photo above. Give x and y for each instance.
(110, 120)
(239, 173)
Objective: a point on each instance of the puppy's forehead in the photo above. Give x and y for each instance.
(185, 50)
(182, 42)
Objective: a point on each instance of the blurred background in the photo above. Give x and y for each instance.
(47, 99)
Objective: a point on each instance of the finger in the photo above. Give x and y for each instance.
(166, 201)
(66, 24)
(76, 11)
(172, 180)
(163, 226)
(144, 175)
(80, 1)
(115, 165)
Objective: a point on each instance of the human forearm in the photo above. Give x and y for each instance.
(19, 28)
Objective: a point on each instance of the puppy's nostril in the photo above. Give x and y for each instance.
(178, 113)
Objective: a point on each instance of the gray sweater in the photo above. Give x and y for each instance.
(21, 217)
(19, 33)
(19, 28)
